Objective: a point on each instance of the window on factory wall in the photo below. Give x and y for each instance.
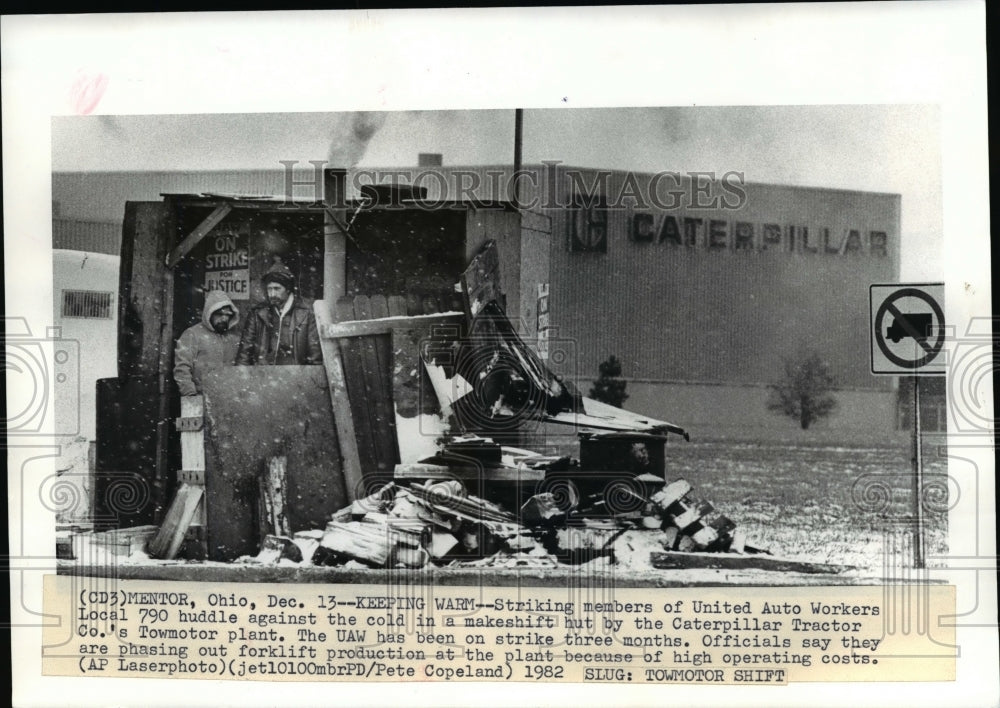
(87, 304)
(933, 405)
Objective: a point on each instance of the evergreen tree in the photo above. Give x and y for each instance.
(610, 386)
(805, 392)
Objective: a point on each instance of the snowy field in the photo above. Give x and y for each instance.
(841, 506)
(836, 505)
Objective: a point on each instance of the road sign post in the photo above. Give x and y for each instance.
(907, 337)
(918, 480)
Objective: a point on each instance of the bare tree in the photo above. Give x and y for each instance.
(805, 392)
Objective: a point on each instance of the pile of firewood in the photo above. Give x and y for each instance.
(421, 518)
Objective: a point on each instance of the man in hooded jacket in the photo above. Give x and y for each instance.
(208, 345)
(282, 329)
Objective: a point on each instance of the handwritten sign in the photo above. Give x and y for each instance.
(227, 265)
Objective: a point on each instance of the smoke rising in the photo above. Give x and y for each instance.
(351, 136)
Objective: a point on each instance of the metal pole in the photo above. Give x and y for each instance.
(518, 134)
(334, 238)
(918, 482)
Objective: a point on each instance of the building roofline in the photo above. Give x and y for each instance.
(306, 167)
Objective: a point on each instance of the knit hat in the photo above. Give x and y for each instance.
(280, 274)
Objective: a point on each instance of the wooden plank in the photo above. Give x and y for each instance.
(368, 542)
(670, 494)
(193, 442)
(193, 462)
(273, 486)
(194, 238)
(417, 470)
(397, 305)
(353, 365)
(354, 328)
(373, 400)
(690, 514)
(351, 464)
(175, 524)
(163, 481)
(383, 415)
(124, 542)
(732, 561)
(145, 233)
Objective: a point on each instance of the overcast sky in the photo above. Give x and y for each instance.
(878, 148)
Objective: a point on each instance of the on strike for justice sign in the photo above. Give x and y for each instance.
(227, 265)
(907, 329)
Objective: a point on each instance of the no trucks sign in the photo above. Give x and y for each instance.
(907, 329)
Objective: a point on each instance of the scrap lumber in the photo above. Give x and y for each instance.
(272, 498)
(169, 538)
(378, 382)
(193, 472)
(469, 508)
(124, 542)
(358, 389)
(442, 543)
(595, 534)
(510, 560)
(417, 471)
(274, 548)
(407, 506)
(711, 532)
(339, 398)
(542, 510)
(397, 319)
(672, 560)
(186, 518)
(367, 542)
(474, 448)
(678, 507)
(384, 380)
(671, 493)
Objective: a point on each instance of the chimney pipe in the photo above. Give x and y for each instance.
(334, 238)
(430, 159)
(518, 138)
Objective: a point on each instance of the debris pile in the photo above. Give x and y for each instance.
(479, 504)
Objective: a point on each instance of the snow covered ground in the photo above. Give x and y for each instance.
(834, 505)
(838, 505)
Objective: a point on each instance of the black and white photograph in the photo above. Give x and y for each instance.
(468, 349)
(325, 342)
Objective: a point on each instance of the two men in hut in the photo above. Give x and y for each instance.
(281, 330)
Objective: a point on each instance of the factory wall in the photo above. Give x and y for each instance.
(702, 289)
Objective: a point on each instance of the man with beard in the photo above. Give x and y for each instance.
(208, 345)
(281, 330)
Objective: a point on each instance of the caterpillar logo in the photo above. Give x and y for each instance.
(588, 224)
(725, 235)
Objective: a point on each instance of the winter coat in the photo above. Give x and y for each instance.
(201, 349)
(269, 338)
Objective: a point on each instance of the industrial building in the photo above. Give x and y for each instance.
(700, 285)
